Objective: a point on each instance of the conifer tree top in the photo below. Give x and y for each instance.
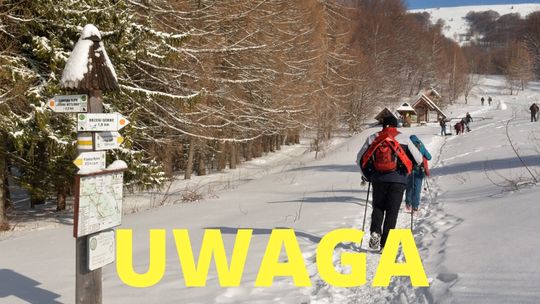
(88, 67)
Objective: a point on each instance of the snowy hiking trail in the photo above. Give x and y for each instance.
(313, 198)
(469, 255)
(479, 235)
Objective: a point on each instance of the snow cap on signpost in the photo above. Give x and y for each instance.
(88, 67)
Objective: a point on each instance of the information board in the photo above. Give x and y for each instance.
(100, 249)
(99, 204)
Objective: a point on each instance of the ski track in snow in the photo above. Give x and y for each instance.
(477, 183)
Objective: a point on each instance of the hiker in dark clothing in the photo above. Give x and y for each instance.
(414, 181)
(457, 127)
(386, 159)
(489, 100)
(482, 100)
(467, 121)
(442, 123)
(534, 112)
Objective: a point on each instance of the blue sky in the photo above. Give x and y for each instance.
(413, 4)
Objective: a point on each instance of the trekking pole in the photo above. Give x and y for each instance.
(412, 212)
(365, 211)
(429, 189)
(412, 209)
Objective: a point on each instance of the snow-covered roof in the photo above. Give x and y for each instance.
(405, 107)
(386, 112)
(88, 66)
(90, 30)
(423, 98)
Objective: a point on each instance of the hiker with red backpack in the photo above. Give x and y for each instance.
(386, 159)
(414, 181)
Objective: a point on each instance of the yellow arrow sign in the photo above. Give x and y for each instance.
(91, 160)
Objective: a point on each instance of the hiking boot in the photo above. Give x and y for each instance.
(375, 240)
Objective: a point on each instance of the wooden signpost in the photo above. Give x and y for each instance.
(98, 197)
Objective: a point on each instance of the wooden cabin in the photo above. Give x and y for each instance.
(407, 112)
(385, 113)
(427, 110)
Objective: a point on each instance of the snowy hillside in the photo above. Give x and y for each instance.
(454, 17)
(476, 231)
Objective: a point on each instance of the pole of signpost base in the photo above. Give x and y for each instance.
(88, 283)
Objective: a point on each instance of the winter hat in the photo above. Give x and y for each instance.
(389, 121)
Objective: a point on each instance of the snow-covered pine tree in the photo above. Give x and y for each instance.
(39, 35)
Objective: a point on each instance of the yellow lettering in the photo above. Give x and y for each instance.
(124, 258)
(413, 264)
(357, 261)
(212, 245)
(294, 267)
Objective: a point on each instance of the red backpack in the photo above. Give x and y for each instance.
(384, 152)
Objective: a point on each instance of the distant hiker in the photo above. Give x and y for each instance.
(534, 112)
(442, 123)
(489, 100)
(386, 159)
(482, 100)
(468, 120)
(414, 181)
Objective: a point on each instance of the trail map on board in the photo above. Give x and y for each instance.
(100, 202)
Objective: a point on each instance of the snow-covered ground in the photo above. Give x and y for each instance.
(454, 17)
(476, 232)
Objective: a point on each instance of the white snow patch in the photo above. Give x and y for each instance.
(77, 64)
(90, 30)
(502, 106)
(117, 165)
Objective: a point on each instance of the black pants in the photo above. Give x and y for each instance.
(387, 199)
(533, 116)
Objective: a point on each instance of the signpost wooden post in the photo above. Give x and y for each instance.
(98, 75)
(88, 282)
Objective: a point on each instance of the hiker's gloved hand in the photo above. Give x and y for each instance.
(364, 180)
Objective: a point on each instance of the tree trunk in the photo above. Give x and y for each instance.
(61, 200)
(201, 168)
(221, 156)
(189, 165)
(3, 193)
(168, 160)
(232, 156)
(247, 151)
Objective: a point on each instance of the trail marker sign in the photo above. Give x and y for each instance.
(101, 249)
(107, 140)
(91, 160)
(101, 122)
(69, 103)
(85, 141)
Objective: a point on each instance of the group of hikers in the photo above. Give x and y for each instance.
(460, 127)
(394, 164)
(482, 100)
